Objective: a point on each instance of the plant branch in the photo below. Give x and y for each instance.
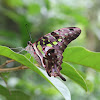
(13, 69)
(8, 61)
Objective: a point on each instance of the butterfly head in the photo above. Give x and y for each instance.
(30, 47)
(34, 51)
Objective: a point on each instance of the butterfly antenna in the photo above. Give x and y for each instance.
(28, 32)
(30, 36)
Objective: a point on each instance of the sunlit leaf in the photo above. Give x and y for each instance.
(82, 56)
(72, 73)
(5, 51)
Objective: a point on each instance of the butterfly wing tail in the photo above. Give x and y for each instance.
(61, 77)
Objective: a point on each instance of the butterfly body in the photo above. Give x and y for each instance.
(48, 49)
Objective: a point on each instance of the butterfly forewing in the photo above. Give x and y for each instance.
(49, 48)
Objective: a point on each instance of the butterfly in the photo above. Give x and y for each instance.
(48, 50)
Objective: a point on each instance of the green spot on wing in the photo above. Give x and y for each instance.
(43, 39)
(66, 34)
(54, 42)
(59, 40)
(40, 48)
(57, 33)
(43, 42)
(48, 40)
(39, 43)
(70, 32)
(60, 46)
(49, 45)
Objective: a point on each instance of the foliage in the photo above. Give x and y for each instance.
(67, 69)
(15, 94)
(41, 17)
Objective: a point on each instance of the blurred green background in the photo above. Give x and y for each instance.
(42, 17)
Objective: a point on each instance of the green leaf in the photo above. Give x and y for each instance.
(5, 51)
(82, 56)
(90, 85)
(33, 9)
(13, 94)
(59, 85)
(71, 72)
(15, 3)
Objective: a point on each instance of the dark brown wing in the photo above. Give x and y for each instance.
(59, 39)
(53, 45)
